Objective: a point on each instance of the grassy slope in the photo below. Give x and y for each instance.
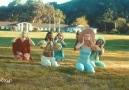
(32, 76)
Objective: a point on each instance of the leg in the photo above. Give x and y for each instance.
(54, 62)
(27, 56)
(92, 63)
(80, 67)
(100, 64)
(19, 56)
(45, 61)
(89, 68)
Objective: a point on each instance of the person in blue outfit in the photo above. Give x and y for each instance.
(59, 55)
(86, 39)
(95, 55)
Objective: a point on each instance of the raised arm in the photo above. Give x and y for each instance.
(31, 42)
(102, 50)
(42, 44)
(79, 45)
(13, 40)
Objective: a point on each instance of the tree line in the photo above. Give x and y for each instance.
(34, 11)
(106, 15)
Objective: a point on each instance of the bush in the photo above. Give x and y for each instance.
(114, 31)
(36, 30)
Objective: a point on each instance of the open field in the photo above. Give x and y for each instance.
(30, 75)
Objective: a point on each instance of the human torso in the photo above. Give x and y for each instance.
(23, 45)
(84, 55)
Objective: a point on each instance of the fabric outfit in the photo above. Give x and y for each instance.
(48, 58)
(83, 62)
(21, 46)
(59, 55)
(94, 57)
(49, 61)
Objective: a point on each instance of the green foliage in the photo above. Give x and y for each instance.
(31, 11)
(114, 31)
(36, 30)
(96, 11)
(14, 28)
(121, 25)
(81, 21)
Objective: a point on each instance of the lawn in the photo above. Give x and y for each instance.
(31, 75)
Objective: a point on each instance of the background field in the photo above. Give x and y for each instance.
(30, 75)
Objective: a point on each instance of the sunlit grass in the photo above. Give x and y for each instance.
(31, 75)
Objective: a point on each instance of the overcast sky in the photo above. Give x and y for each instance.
(6, 2)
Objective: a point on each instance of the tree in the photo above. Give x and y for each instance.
(106, 18)
(121, 25)
(3, 13)
(32, 11)
(59, 17)
(81, 21)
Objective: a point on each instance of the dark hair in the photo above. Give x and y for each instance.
(46, 38)
(77, 33)
(98, 40)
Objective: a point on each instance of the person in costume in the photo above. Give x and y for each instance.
(86, 44)
(59, 55)
(48, 45)
(21, 47)
(95, 55)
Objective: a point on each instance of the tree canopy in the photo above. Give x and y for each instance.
(99, 13)
(31, 11)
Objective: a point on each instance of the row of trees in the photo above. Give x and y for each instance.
(31, 11)
(103, 14)
(106, 15)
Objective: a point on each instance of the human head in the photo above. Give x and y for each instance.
(60, 36)
(23, 34)
(49, 36)
(100, 41)
(87, 34)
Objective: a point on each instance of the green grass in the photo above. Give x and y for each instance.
(31, 75)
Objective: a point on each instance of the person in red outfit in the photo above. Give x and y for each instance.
(21, 47)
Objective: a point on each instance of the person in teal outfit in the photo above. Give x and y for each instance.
(59, 55)
(85, 43)
(95, 55)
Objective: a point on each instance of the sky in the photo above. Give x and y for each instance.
(6, 2)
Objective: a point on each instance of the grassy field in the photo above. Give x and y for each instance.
(30, 75)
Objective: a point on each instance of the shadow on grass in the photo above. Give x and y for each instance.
(6, 41)
(24, 62)
(6, 57)
(113, 45)
(117, 45)
(67, 70)
(110, 58)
